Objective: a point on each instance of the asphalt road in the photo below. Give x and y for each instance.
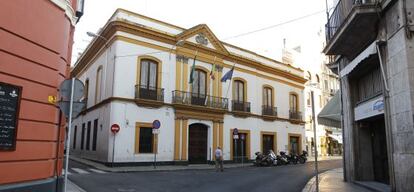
(262, 179)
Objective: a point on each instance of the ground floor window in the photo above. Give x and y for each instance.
(145, 144)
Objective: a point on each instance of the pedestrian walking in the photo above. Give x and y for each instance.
(219, 159)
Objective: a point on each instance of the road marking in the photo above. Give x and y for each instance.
(80, 171)
(96, 170)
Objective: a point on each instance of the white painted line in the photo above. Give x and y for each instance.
(80, 171)
(96, 170)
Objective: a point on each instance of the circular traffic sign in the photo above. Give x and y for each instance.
(242, 136)
(115, 128)
(235, 131)
(156, 124)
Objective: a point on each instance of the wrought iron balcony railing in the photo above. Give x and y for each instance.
(149, 93)
(188, 98)
(295, 115)
(240, 106)
(269, 110)
(341, 12)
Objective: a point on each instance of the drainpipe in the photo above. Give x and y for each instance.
(387, 112)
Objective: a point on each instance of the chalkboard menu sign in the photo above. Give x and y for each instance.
(9, 114)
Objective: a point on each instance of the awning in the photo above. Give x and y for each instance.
(372, 49)
(330, 115)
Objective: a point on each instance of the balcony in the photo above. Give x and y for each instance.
(240, 108)
(149, 96)
(199, 100)
(269, 110)
(351, 27)
(295, 115)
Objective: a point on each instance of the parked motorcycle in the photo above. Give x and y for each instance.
(282, 158)
(288, 159)
(265, 159)
(303, 157)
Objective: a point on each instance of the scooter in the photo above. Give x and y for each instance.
(265, 160)
(303, 157)
(282, 158)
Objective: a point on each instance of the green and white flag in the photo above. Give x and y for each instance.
(192, 71)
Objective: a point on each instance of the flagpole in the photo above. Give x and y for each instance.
(228, 88)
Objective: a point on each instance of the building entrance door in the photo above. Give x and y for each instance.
(239, 148)
(197, 143)
(267, 143)
(379, 151)
(294, 145)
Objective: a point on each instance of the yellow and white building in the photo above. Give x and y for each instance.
(138, 70)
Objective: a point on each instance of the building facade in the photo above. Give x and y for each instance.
(35, 50)
(324, 84)
(372, 42)
(140, 69)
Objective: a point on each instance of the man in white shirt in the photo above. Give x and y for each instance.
(219, 159)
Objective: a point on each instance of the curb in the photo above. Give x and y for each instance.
(178, 168)
(310, 186)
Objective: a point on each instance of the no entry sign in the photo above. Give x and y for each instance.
(115, 128)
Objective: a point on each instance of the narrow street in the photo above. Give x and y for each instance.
(282, 178)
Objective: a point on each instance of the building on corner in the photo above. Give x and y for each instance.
(35, 52)
(138, 70)
(371, 42)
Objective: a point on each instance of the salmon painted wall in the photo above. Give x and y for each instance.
(35, 49)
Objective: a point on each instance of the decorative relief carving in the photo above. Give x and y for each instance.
(201, 39)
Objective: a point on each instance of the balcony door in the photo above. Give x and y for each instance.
(148, 80)
(238, 95)
(199, 88)
(267, 101)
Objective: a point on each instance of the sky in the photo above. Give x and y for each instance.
(226, 18)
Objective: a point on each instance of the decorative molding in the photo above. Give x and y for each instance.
(66, 6)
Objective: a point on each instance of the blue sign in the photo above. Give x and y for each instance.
(378, 105)
(235, 131)
(156, 124)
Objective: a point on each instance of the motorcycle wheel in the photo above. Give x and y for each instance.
(302, 160)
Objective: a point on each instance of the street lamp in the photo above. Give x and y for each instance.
(314, 85)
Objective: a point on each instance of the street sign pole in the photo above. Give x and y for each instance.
(235, 148)
(155, 151)
(68, 136)
(242, 154)
(113, 150)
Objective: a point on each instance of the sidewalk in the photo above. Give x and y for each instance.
(332, 180)
(173, 167)
(73, 187)
(151, 168)
(323, 158)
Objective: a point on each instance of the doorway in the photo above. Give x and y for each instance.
(239, 148)
(197, 143)
(373, 150)
(267, 143)
(294, 144)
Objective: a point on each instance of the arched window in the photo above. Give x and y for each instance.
(98, 88)
(293, 102)
(267, 97)
(199, 87)
(317, 78)
(148, 76)
(239, 91)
